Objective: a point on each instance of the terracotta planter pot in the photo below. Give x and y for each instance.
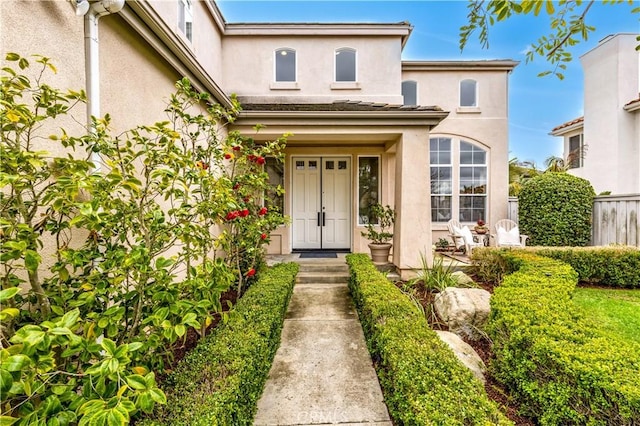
(380, 253)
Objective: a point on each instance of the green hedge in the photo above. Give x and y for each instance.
(556, 362)
(221, 380)
(555, 209)
(422, 380)
(608, 266)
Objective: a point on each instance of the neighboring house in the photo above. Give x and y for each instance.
(428, 137)
(608, 135)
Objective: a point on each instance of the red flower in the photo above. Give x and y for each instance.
(202, 165)
(262, 211)
(236, 186)
(251, 272)
(244, 213)
(263, 236)
(232, 215)
(260, 160)
(246, 199)
(228, 156)
(251, 157)
(236, 148)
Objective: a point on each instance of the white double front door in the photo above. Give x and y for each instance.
(321, 202)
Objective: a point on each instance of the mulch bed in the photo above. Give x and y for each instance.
(495, 390)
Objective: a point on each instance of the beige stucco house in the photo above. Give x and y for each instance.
(609, 131)
(427, 137)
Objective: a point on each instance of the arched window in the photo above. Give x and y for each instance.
(468, 93)
(345, 64)
(410, 92)
(459, 180)
(285, 64)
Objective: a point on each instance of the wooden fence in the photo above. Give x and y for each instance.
(616, 219)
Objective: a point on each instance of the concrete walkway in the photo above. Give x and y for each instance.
(322, 373)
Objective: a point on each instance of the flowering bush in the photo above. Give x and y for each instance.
(135, 260)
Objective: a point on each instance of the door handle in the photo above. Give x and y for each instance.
(323, 218)
(318, 221)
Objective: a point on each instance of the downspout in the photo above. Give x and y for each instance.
(92, 59)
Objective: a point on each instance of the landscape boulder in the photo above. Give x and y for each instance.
(465, 353)
(464, 310)
(463, 279)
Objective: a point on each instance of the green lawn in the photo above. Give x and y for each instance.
(618, 311)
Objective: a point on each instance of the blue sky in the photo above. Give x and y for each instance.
(536, 104)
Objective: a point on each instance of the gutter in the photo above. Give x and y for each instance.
(92, 55)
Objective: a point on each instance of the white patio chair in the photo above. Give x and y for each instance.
(462, 237)
(508, 234)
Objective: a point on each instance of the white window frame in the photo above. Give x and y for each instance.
(335, 65)
(185, 11)
(358, 182)
(455, 177)
(473, 166)
(415, 87)
(476, 93)
(451, 166)
(276, 52)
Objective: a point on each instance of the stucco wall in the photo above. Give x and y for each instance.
(611, 76)
(248, 64)
(485, 126)
(207, 37)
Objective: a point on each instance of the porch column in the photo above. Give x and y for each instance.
(412, 230)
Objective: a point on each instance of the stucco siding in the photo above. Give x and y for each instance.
(248, 63)
(611, 79)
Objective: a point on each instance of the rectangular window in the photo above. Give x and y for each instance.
(368, 187)
(346, 64)
(468, 93)
(410, 92)
(441, 179)
(473, 182)
(274, 197)
(576, 150)
(185, 18)
(286, 65)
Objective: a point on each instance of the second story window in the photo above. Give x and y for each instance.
(345, 64)
(285, 64)
(468, 93)
(410, 92)
(185, 18)
(576, 152)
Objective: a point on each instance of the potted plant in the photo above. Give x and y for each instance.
(381, 220)
(442, 244)
(481, 227)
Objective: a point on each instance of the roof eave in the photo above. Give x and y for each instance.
(563, 131)
(488, 65)
(415, 118)
(632, 107)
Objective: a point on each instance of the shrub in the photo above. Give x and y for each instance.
(607, 266)
(555, 210)
(220, 381)
(422, 381)
(556, 362)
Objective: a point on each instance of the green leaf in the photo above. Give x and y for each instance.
(6, 381)
(180, 329)
(7, 420)
(109, 346)
(9, 313)
(137, 382)
(70, 318)
(12, 56)
(8, 293)
(31, 260)
(15, 362)
(158, 396)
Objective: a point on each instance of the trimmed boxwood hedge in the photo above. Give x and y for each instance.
(614, 266)
(221, 380)
(554, 360)
(422, 380)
